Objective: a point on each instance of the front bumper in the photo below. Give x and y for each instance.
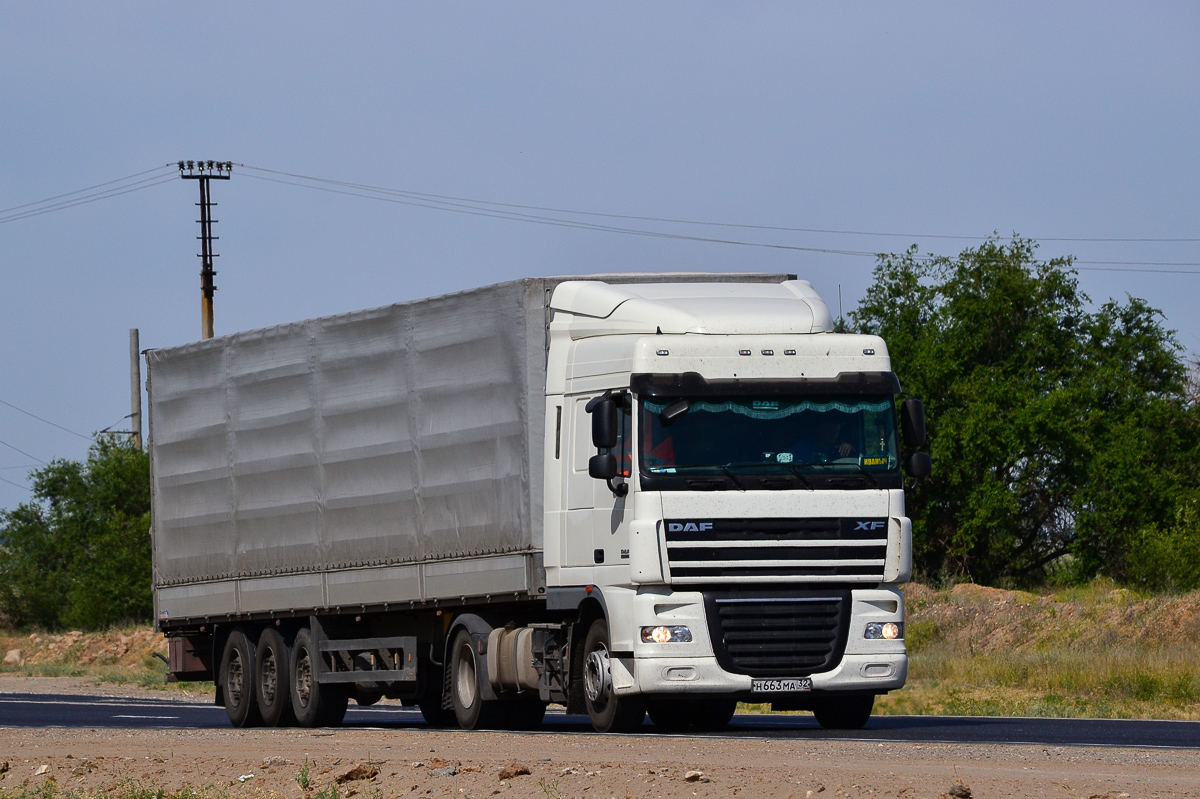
(865, 666)
(856, 673)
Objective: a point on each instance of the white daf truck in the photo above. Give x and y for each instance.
(627, 494)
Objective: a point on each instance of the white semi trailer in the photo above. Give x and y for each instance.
(621, 493)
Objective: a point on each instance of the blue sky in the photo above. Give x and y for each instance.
(1051, 120)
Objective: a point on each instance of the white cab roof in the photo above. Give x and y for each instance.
(591, 308)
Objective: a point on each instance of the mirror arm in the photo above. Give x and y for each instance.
(618, 490)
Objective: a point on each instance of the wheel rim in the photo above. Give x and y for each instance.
(465, 680)
(303, 679)
(269, 683)
(597, 676)
(234, 677)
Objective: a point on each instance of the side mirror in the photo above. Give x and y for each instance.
(912, 422)
(920, 464)
(604, 421)
(603, 467)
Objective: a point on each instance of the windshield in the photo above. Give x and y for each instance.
(802, 437)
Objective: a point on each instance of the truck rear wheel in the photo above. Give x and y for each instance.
(238, 680)
(273, 689)
(315, 705)
(844, 713)
(470, 708)
(607, 711)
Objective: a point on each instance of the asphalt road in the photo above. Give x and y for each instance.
(49, 710)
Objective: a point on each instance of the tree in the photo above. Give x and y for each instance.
(78, 554)
(1055, 430)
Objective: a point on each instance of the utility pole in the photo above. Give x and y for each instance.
(203, 172)
(135, 387)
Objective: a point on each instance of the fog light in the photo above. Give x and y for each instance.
(666, 635)
(886, 630)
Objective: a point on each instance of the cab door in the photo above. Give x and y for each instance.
(594, 519)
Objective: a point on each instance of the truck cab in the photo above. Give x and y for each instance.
(724, 478)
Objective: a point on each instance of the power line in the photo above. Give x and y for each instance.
(541, 220)
(23, 452)
(47, 421)
(144, 183)
(18, 485)
(80, 191)
(672, 220)
(461, 206)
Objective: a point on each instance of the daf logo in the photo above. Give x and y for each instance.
(690, 527)
(868, 525)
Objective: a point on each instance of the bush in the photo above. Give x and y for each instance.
(78, 554)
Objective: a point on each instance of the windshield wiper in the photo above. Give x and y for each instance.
(794, 468)
(867, 474)
(731, 476)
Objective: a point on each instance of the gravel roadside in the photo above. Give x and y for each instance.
(484, 764)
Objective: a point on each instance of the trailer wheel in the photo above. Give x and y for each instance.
(315, 705)
(471, 710)
(607, 711)
(273, 685)
(237, 681)
(845, 713)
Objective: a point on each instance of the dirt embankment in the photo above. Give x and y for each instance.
(992, 620)
(127, 647)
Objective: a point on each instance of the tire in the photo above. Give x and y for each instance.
(470, 709)
(273, 685)
(607, 711)
(238, 680)
(315, 705)
(527, 714)
(844, 713)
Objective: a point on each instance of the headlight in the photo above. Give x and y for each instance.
(666, 635)
(887, 630)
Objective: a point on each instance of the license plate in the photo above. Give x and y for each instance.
(781, 686)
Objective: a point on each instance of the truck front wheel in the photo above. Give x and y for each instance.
(315, 705)
(607, 711)
(845, 713)
(237, 680)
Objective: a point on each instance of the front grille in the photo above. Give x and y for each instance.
(778, 636)
(749, 551)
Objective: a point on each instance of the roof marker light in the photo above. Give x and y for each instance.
(868, 351)
(789, 352)
(768, 352)
(743, 352)
(662, 352)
